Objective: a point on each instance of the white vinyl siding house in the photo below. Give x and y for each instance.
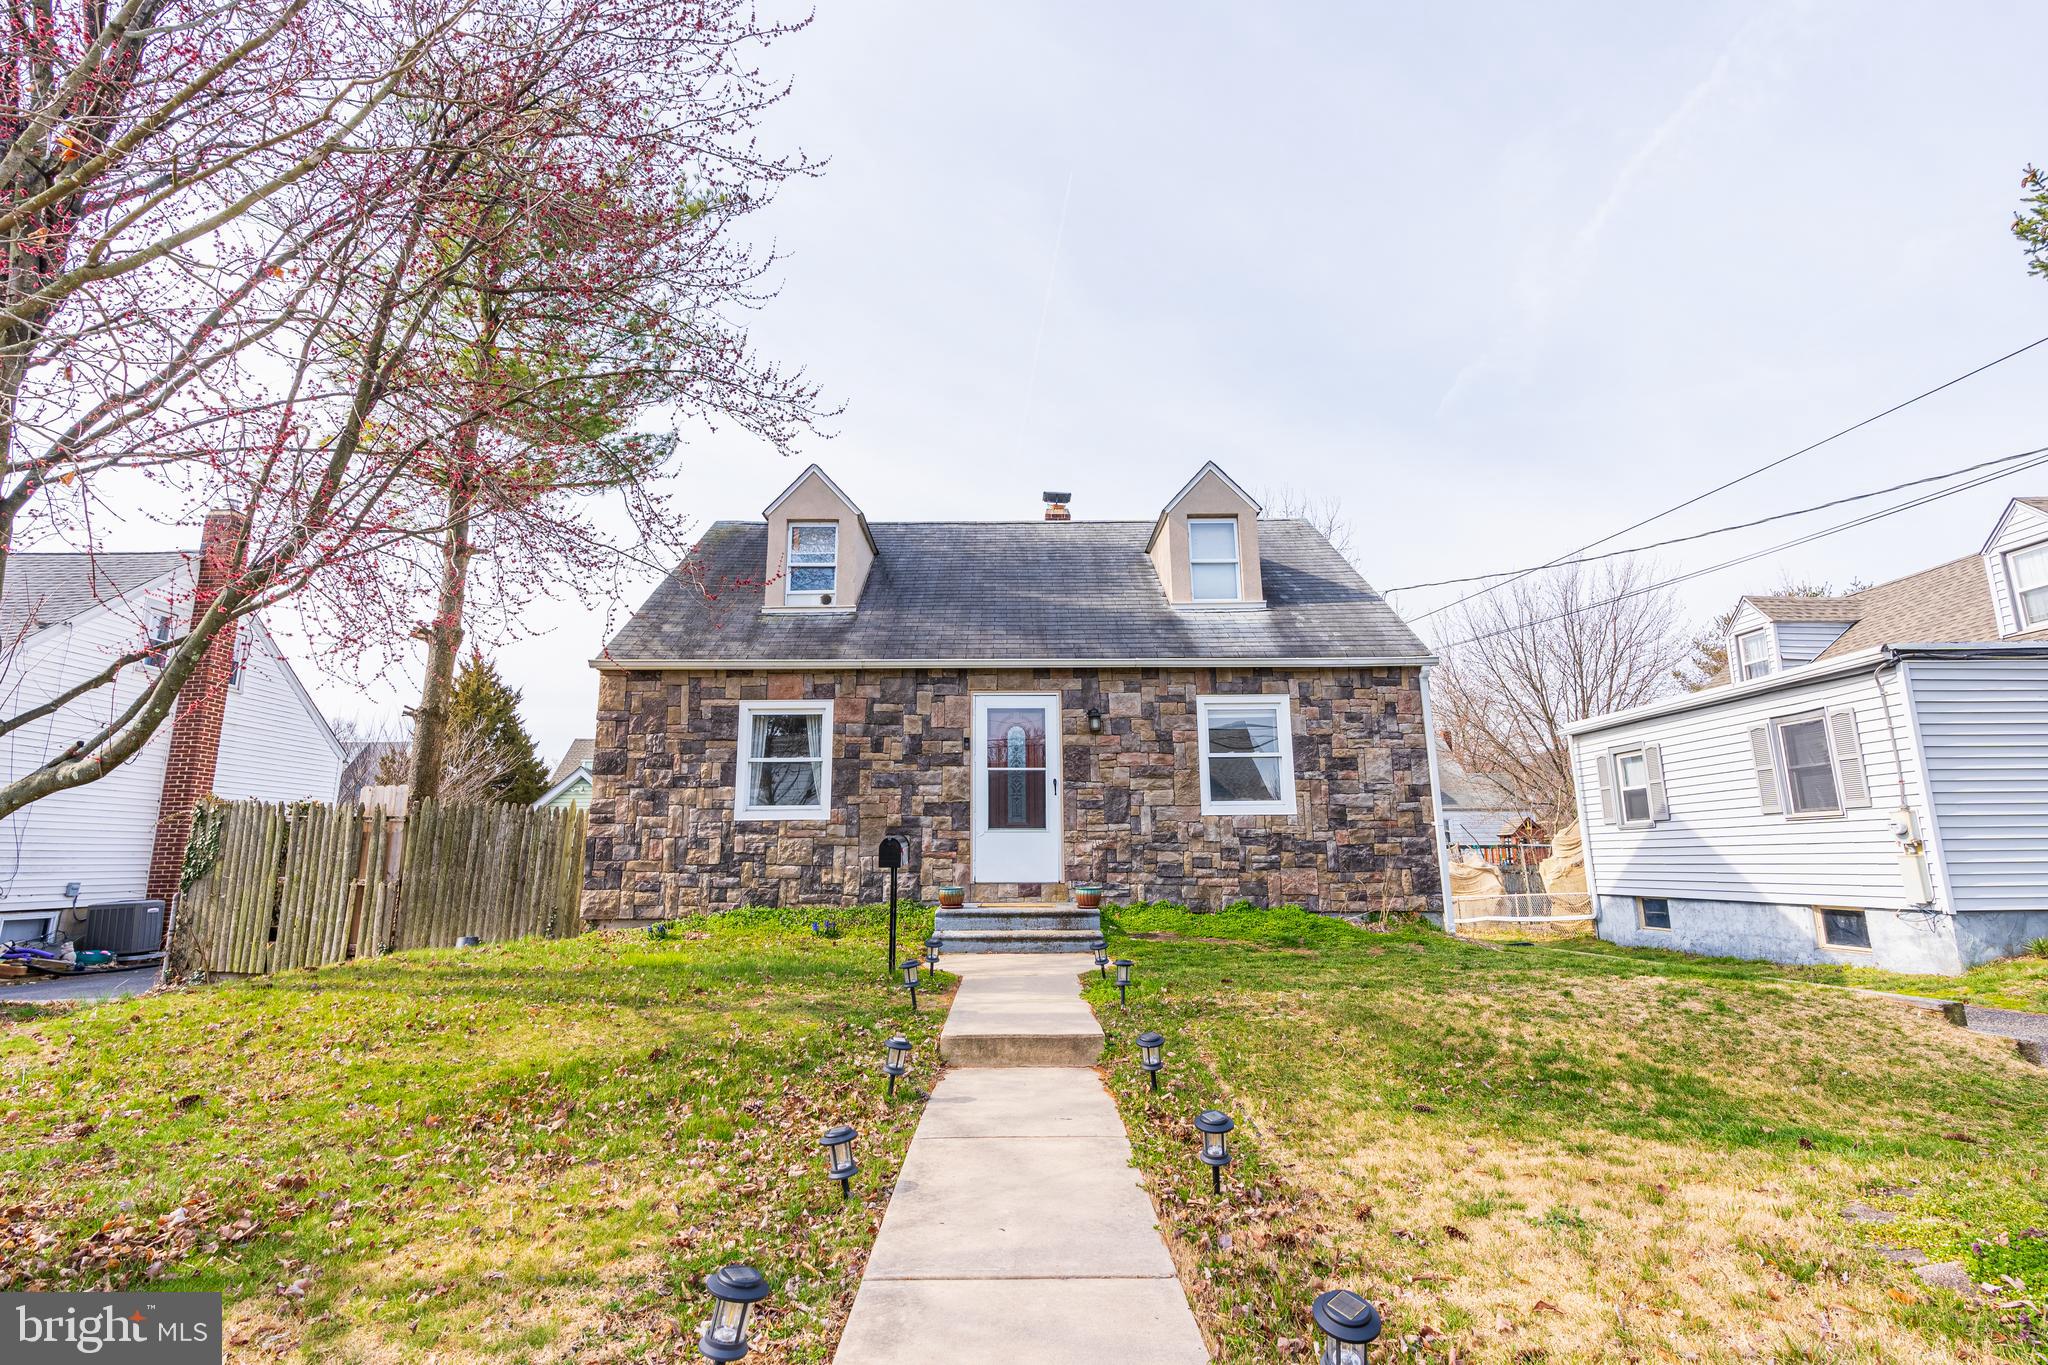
(1983, 728)
(2014, 568)
(275, 745)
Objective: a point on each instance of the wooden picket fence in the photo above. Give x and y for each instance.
(304, 885)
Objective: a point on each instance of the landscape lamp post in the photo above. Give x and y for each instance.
(1101, 947)
(896, 1060)
(1148, 1055)
(931, 952)
(735, 1289)
(1215, 1126)
(1123, 978)
(838, 1145)
(1347, 1326)
(910, 966)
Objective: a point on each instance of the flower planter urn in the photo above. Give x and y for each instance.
(1088, 897)
(952, 897)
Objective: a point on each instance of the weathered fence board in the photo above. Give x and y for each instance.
(307, 884)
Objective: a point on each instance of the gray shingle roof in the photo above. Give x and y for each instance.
(43, 589)
(578, 756)
(1013, 592)
(1794, 608)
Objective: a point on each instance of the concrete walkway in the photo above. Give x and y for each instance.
(83, 986)
(1018, 1231)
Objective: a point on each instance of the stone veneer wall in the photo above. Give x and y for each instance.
(663, 841)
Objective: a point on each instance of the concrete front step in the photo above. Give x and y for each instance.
(1019, 1010)
(1016, 940)
(972, 917)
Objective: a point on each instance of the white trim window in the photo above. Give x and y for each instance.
(1753, 654)
(1842, 929)
(813, 563)
(785, 760)
(1247, 755)
(1632, 786)
(1810, 784)
(1214, 573)
(1632, 792)
(163, 627)
(2027, 571)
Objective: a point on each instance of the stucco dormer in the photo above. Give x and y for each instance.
(819, 547)
(1205, 545)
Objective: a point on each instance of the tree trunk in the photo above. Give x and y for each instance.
(444, 633)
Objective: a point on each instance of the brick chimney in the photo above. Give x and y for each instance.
(1056, 506)
(201, 707)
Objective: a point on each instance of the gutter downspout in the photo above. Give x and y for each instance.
(1436, 820)
(1914, 837)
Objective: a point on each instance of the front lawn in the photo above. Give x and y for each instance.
(528, 1151)
(1528, 1154)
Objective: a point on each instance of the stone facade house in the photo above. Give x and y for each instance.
(1206, 707)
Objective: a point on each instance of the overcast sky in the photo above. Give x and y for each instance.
(1500, 281)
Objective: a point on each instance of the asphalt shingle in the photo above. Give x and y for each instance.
(43, 589)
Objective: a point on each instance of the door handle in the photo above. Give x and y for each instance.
(1055, 786)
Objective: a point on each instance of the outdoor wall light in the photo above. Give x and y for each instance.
(838, 1145)
(1214, 1126)
(1123, 978)
(910, 966)
(931, 952)
(1148, 1055)
(1101, 947)
(896, 1060)
(735, 1289)
(1348, 1326)
(1094, 720)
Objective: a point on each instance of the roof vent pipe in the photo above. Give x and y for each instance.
(1056, 506)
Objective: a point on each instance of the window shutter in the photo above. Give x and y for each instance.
(1653, 760)
(1766, 769)
(1853, 786)
(1607, 805)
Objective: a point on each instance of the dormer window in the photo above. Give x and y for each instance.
(2028, 570)
(1213, 569)
(1752, 654)
(813, 563)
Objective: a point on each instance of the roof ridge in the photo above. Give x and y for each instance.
(1932, 568)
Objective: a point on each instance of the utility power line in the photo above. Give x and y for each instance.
(1740, 478)
(2040, 458)
(1737, 526)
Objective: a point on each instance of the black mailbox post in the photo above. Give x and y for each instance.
(891, 855)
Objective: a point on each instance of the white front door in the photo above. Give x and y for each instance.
(1017, 788)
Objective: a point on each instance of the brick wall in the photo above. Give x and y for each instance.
(663, 841)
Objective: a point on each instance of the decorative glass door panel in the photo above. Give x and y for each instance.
(1016, 759)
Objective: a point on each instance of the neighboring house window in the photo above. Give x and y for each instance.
(2028, 570)
(161, 628)
(785, 760)
(1247, 755)
(240, 661)
(1843, 929)
(1632, 787)
(1809, 766)
(1212, 559)
(1653, 912)
(1753, 653)
(813, 562)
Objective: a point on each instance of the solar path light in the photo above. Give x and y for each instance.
(1214, 1126)
(838, 1145)
(1347, 1326)
(896, 1060)
(1149, 1045)
(1101, 947)
(931, 952)
(910, 966)
(1123, 978)
(735, 1290)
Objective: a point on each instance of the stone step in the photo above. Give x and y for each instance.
(1015, 941)
(969, 917)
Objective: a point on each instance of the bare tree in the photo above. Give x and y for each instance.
(1320, 510)
(1527, 661)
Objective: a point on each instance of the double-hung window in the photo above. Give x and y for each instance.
(2028, 570)
(785, 760)
(1213, 569)
(1809, 765)
(1632, 785)
(813, 563)
(1752, 654)
(1247, 755)
(161, 628)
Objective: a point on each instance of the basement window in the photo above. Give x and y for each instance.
(1212, 559)
(813, 563)
(785, 760)
(1653, 912)
(1848, 929)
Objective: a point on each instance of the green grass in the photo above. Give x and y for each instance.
(1548, 1153)
(528, 1151)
